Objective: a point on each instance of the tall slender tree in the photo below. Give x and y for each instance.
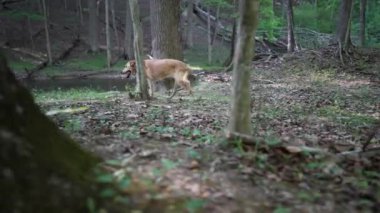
(142, 83)
(93, 25)
(128, 37)
(46, 23)
(114, 24)
(190, 24)
(165, 17)
(289, 15)
(108, 34)
(240, 115)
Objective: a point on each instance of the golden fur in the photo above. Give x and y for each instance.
(159, 69)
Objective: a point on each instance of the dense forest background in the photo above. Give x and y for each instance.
(71, 32)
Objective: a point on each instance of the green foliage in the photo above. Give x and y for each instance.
(73, 125)
(269, 22)
(70, 94)
(19, 15)
(131, 134)
(168, 164)
(195, 205)
(20, 66)
(319, 17)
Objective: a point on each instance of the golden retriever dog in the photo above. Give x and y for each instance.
(159, 69)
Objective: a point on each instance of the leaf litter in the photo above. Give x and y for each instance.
(303, 118)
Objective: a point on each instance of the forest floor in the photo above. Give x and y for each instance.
(311, 119)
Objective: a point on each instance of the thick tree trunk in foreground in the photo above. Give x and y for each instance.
(166, 36)
(93, 25)
(142, 84)
(289, 15)
(240, 116)
(42, 169)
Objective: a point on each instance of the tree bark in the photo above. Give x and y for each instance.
(363, 7)
(108, 35)
(115, 25)
(80, 10)
(43, 170)
(240, 116)
(344, 22)
(165, 16)
(142, 84)
(289, 14)
(228, 62)
(190, 24)
(48, 48)
(128, 39)
(93, 25)
(209, 35)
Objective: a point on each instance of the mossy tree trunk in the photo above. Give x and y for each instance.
(41, 168)
(240, 116)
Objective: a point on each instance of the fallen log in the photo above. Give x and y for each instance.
(45, 63)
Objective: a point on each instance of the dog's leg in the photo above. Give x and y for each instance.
(151, 87)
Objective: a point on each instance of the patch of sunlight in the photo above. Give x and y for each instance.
(325, 75)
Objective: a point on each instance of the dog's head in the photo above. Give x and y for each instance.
(130, 68)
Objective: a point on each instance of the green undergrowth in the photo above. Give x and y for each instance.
(81, 94)
(197, 58)
(87, 62)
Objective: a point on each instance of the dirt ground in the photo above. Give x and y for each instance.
(309, 121)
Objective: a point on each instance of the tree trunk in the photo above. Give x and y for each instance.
(142, 84)
(240, 116)
(165, 16)
(344, 22)
(30, 33)
(115, 25)
(228, 62)
(216, 26)
(363, 7)
(50, 58)
(43, 170)
(289, 15)
(80, 10)
(108, 35)
(93, 25)
(209, 35)
(190, 24)
(128, 40)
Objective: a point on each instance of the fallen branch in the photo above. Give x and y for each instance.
(45, 63)
(358, 153)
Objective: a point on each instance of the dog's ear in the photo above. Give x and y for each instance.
(132, 63)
